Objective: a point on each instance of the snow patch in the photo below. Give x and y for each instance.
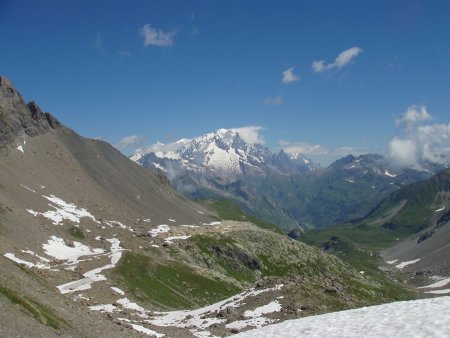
(57, 248)
(159, 230)
(29, 265)
(439, 284)
(146, 331)
(387, 173)
(159, 166)
(20, 148)
(94, 275)
(403, 264)
(103, 308)
(169, 240)
(255, 322)
(392, 262)
(274, 306)
(117, 290)
(128, 304)
(29, 189)
(63, 211)
(439, 292)
(440, 209)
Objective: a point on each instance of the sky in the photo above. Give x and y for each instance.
(324, 78)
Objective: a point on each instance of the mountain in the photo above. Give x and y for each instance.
(409, 229)
(347, 189)
(222, 153)
(286, 189)
(93, 244)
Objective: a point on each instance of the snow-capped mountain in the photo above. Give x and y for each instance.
(228, 153)
(378, 165)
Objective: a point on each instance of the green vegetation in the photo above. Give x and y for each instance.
(77, 232)
(31, 307)
(229, 210)
(169, 284)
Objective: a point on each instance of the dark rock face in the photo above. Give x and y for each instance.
(238, 256)
(19, 118)
(443, 219)
(425, 236)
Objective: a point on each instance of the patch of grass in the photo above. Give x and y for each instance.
(169, 284)
(77, 232)
(35, 309)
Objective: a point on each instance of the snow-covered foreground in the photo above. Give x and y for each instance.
(418, 318)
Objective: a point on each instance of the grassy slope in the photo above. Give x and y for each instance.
(403, 213)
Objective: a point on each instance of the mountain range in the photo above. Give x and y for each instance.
(93, 244)
(288, 190)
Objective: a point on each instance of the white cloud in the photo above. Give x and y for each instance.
(293, 147)
(413, 115)
(402, 152)
(251, 134)
(273, 100)
(128, 141)
(156, 37)
(289, 76)
(420, 142)
(341, 60)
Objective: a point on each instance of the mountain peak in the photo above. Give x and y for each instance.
(8, 94)
(6, 83)
(225, 153)
(19, 118)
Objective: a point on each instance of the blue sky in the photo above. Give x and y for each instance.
(164, 70)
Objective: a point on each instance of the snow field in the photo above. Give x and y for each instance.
(418, 318)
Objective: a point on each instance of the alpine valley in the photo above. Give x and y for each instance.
(96, 245)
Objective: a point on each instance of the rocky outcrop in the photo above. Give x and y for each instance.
(18, 118)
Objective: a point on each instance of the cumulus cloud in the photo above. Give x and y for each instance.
(156, 37)
(251, 134)
(419, 142)
(413, 115)
(289, 76)
(273, 100)
(129, 141)
(341, 60)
